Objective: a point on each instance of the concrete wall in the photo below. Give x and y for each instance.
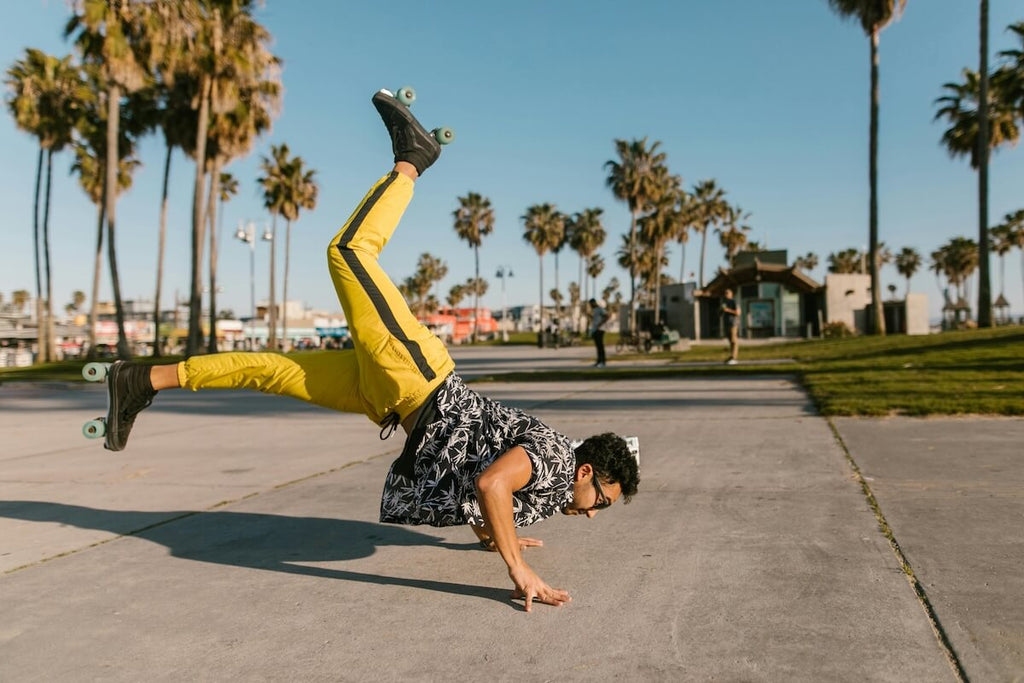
(682, 312)
(846, 296)
(917, 314)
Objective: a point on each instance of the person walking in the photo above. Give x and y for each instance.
(598, 319)
(731, 324)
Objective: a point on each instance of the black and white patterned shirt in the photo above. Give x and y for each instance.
(433, 482)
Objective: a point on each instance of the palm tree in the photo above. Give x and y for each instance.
(585, 238)
(1001, 242)
(962, 106)
(288, 187)
(19, 298)
(474, 220)
(272, 186)
(634, 179)
(455, 295)
(111, 34)
(908, 261)
(433, 269)
(957, 260)
(808, 261)
(984, 279)
(90, 151)
(594, 268)
(176, 124)
(628, 257)
(660, 226)
(543, 229)
(43, 94)
(688, 210)
(733, 235)
(846, 261)
(873, 15)
(1015, 221)
(556, 247)
(709, 208)
(224, 52)
(227, 187)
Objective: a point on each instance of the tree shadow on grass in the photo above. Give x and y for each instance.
(258, 541)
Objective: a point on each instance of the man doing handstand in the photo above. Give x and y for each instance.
(467, 459)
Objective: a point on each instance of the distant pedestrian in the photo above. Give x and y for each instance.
(599, 318)
(731, 323)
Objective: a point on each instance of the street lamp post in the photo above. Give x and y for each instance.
(504, 272)
(248, 235)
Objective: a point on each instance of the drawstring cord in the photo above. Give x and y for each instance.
(389, 424)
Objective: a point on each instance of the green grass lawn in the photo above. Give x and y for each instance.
(969, 372)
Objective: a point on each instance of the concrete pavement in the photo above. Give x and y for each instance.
(237, 538)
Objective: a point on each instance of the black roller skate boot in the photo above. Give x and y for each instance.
(129, 392)
(410, 141)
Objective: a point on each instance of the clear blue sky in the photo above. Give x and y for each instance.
(768, 98)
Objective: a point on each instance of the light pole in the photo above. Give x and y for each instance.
(504, 272)
(248, 235)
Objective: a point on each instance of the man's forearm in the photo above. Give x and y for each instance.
(499, 525)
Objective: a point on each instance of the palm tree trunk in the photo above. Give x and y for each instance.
(541, 335)
(113, 120)
(682, 262)
(211, 345)
(49, 348)
(583, 284)
(97, 269)
(703, 251)
(558, 305)
(984, 279)
(657, 283)
(195, 303)
(476, 289)
(878, 326)
(272, 309)
(632, 272)
(161, 242)
(284, 293)
(40, 328)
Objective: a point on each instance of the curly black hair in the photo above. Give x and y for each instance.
(609, 455)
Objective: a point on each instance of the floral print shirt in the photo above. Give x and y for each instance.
(461, 434)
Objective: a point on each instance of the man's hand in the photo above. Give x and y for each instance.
(532, 587)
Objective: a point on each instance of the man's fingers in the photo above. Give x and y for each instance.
(529, 600)
(555, 596)
(530, 543)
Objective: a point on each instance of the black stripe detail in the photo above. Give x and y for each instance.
(370, 287)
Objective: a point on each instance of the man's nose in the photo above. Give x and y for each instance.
(590, 514)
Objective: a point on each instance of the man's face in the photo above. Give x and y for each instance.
(589, 494)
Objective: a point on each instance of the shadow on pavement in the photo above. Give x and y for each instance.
(258, 541)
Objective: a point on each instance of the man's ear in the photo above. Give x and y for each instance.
(583, 471)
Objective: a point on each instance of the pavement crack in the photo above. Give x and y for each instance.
(922, 596)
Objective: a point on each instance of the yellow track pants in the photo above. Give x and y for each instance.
(396, 362)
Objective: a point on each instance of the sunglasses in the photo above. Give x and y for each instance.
(602, 500)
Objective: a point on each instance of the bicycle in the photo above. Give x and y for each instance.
(639, 342)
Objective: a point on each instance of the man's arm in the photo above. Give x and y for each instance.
(494, 488)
